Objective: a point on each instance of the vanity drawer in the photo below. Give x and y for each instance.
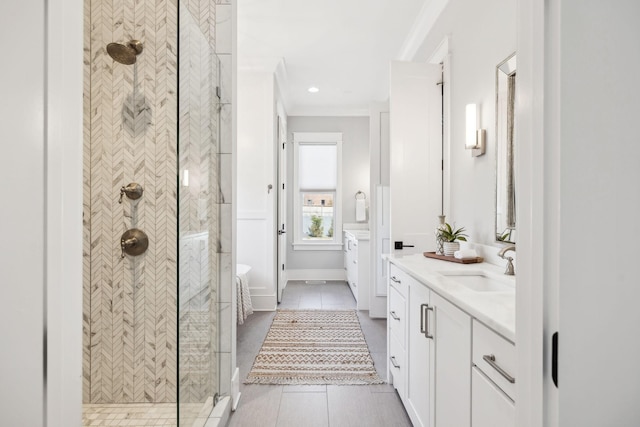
(495, 357)
(397, 366)
(490, 407)
(398, 279)
(397, 315)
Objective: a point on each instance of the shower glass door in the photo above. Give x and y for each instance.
(198, 221)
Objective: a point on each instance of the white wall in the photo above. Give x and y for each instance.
(40, 259)
(599, 212)
(481, 35)
(355, 176)
(256, 170)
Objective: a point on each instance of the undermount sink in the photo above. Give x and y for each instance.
(477, 281)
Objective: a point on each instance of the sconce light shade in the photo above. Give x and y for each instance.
(475, 138)
(185, 178)
(472, 125)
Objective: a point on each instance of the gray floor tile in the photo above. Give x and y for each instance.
(343, 306)
(389, 410)
(304, 389)
(264, 405)
(259, 406)
(351, 406)
(380, 363)
(303, 409)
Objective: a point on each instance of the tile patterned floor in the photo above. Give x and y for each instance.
(129, 414)
(317, 405)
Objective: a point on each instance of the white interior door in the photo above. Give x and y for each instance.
(415, 154)
(282, 207)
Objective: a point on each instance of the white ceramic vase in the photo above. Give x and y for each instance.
(450, 248)
(439, 241)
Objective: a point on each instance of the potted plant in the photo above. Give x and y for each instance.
(451, 237)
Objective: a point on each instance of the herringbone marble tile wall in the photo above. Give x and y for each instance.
(131, 135)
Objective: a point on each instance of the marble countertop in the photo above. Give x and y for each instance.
(359, 234)
(497, 310)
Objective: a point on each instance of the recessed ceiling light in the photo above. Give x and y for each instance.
(313, 89)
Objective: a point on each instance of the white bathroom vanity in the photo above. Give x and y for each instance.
(451, 341)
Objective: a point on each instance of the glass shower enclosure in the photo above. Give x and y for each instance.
(151, 213)
(198, 220)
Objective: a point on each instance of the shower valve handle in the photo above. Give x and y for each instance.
(134, 242)
(133, 191)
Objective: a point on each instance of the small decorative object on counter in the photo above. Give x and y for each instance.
(439, 241)
(450, 238)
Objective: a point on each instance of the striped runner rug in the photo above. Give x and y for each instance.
(314, 347)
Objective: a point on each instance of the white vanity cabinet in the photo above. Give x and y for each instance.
(437, 353)
(397, 331)
(490, 407)
(493, 383)
(420, 386)
(452, 337)
(356, 265)
(449, 367)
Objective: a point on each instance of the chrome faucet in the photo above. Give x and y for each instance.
(510, 270)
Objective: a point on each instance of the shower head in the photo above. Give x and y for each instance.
(125, 54)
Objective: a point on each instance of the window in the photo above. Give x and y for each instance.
(317, 195)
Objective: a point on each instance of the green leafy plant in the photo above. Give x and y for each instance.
(506, 236)
(316, 229)
(330, 231)
(448, 234)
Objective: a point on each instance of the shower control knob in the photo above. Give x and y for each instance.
(133, 191)
(134, 242)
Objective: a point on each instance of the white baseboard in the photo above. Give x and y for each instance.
(322, 274)
(264, 302)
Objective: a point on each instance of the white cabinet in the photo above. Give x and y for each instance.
(420, 386)
(397, 331)
(452, 337)
(493, 383)
(490, 406)
(356, 264)
(430, 340)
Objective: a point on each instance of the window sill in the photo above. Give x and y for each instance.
(304, 246)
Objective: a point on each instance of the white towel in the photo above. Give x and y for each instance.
(465, 254)
(245, 308)
(361, 210)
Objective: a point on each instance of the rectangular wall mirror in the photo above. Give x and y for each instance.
(505, 150)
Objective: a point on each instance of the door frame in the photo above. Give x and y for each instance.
(281, 206)
(534, 396)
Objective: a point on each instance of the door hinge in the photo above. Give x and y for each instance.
(282, 267)
(554, 358)
(283, 185)
(283, 145)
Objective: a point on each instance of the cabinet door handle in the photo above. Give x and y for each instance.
(355, 262)
(393, 362)
(394, 315)
(491, 360)
(424, 320)
(393, 279)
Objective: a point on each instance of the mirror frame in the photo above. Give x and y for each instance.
(505, 68)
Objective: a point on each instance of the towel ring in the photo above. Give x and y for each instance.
(360, 193)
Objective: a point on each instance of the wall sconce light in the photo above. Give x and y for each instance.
(475, 138)
(185, 178)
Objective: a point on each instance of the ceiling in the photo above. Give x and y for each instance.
(342, 47)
